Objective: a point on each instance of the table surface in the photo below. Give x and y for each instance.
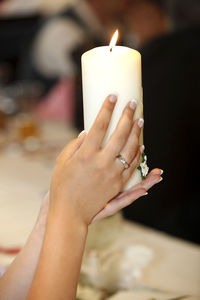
(25, 179)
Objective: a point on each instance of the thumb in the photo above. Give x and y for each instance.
(73, 146)
(79, 141)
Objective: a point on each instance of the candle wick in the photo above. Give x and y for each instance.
(111, 49)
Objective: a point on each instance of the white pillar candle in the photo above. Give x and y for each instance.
(112, 70)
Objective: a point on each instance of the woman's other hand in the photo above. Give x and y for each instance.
(128, 197)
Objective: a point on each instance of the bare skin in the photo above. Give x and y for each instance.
(80, 176)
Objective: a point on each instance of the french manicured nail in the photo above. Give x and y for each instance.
(145, 194)
(142, 148)
(160, 179)
(82, 132)
(133, 104)
(113, 98)
(140, 122)
(157, 172)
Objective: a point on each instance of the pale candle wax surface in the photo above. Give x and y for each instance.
(107, 72)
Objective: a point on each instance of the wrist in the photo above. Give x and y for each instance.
(66, 208)
(66, 217)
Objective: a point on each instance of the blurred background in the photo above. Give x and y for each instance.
(41, 42)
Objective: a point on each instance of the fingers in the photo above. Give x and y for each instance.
(122, 131)
(128, 197)
(116, 205)
(152, 178)
(128, 172)
(98, 131)
(130, 149)
(73, 146)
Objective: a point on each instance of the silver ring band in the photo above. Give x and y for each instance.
(123, 161)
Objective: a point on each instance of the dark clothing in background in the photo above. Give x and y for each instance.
(15, 37)
(171, 82)
(15, 33)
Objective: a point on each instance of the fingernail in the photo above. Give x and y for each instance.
(133, 104)
(142, 148)
(140, 122)
(113, 98)
(160, 179)
(157, 172)
(82, 132)
(145, 194)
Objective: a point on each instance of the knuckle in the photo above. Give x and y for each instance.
(101, 166)
(102, 125)
(128, 114)
(98, 161)
(121, 138)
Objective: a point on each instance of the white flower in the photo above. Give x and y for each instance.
(144, 168)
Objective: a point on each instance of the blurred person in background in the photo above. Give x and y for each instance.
(145, 20)
(167, 33)
(62, 38)
(52, 53)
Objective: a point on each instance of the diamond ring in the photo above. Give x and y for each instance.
(123, 161)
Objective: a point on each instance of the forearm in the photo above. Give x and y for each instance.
(16, 282)
(59, 264)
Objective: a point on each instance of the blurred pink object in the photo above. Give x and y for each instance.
(58, 104)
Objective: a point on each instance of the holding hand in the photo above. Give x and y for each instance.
(86, 186)
(87, 177)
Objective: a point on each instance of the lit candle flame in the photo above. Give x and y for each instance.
(114, 40)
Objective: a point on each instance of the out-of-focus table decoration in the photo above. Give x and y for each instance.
(24, 127)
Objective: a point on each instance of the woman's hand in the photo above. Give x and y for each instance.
(87, 176)
(116, 204)
(128, 197)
